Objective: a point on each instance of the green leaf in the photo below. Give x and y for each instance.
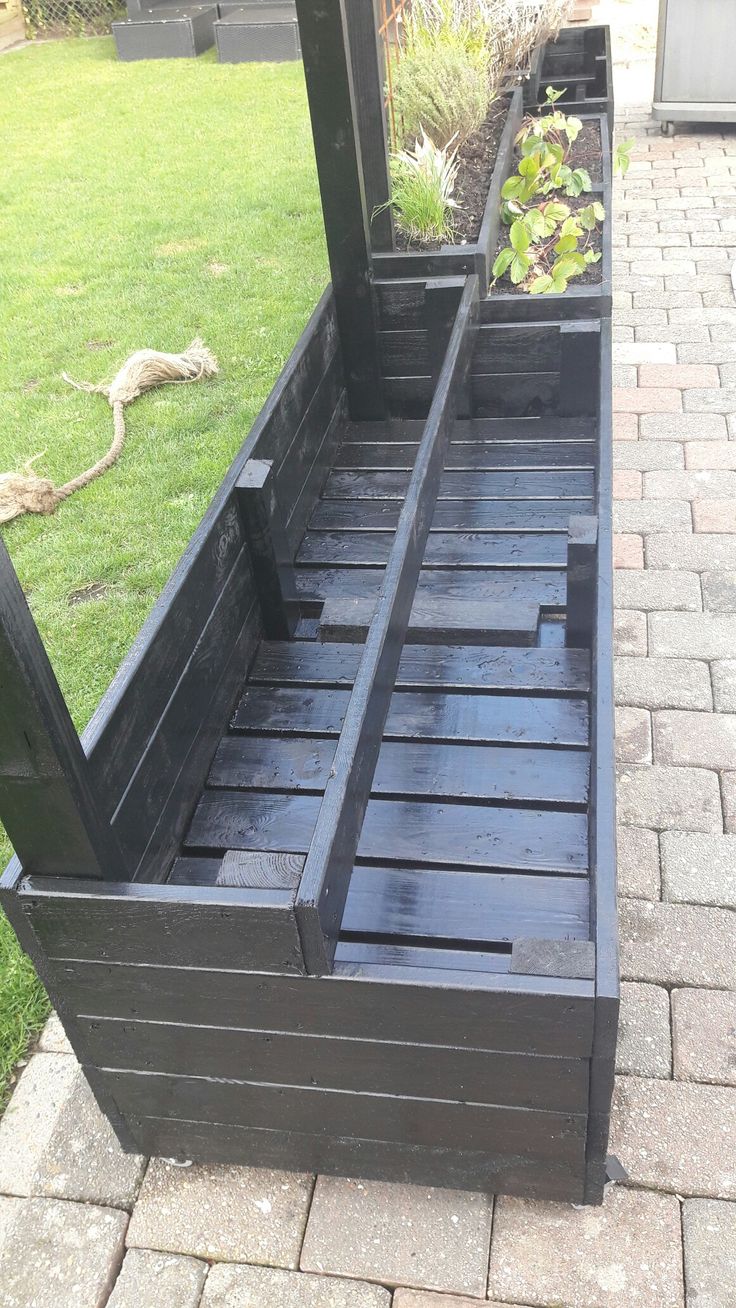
(587, 217)
(512, 188)
(519, 236)
(573, 128)
(583, 176)
(519, 268)
(553, 95)
(571, 226)
(534, 223)
(531, 144)
(541, 284)
(556, 211)
(566, 244)
(559, 284)
(529, 167)
(592, 256)
(503, 262)
(599, 211)
(568, 266)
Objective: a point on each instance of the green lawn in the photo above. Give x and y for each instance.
(142, 204)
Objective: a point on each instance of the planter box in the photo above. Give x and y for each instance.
(165, 33)
(448, 1015)
(579, 62)
(257, 32)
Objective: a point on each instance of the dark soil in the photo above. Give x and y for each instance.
(476, 157)
(585, 153)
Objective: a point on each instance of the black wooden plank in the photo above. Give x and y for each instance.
(212, 1142)
(401, 302)
(515, 347)
(443, 549)
(435, 620)
(526, 587)
(395, 954)
(427, 1122)
(161, 925)
(463, 485)
(404, 352)
(451, 515)
(380, 1002)
(420, 715)
(444, 667)
(410, 770)
(324, 884)
(465, 456)
(530, 427)
(367, 63)
(282, 1058)
(461, 835)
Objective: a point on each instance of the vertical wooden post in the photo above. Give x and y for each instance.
(366, 58)
(47, 799)
(441, 300)
(273, 572)
(326, 59)
(582, 543)
(579, 369)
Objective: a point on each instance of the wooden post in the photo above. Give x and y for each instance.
(579, 369)
(582, 544)
(328, 74)
(366, 57)
(441, 300)
(47, 796)
(273, 572)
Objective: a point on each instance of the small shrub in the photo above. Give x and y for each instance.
(442, 83)
(422, 182)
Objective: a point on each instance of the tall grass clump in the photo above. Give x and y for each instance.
(443, 82)
(422, 183)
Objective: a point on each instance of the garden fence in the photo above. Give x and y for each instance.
(45, 18)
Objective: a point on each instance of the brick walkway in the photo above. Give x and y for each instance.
(83, 1226)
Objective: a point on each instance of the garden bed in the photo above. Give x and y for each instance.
(578, 63)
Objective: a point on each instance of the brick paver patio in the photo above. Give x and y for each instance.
(81, 1226)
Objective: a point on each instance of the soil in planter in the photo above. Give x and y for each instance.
(586, 153)
(476, 157)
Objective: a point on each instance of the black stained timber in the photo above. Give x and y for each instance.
(528, 587)
(284, 1058)
(423, 667)
(420, 715)
(451, 515)
(461, 1169)
(481, 456)
(270, 558)
(324, 885)
(427, 1122)
(372, 1002)
(479, 772)
(443, 550)
(436, 620)
(463, 835)
(463, 485)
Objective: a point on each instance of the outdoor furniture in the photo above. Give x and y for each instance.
(329, 883)
(694, 78)
(165, 32)
(250, 33)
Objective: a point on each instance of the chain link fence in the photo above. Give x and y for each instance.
(49, 18)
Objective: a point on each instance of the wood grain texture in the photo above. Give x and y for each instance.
(463, 485)
(465, 456)
(443, 549)
(451, 515)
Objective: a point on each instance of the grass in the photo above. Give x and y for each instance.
(142, 204)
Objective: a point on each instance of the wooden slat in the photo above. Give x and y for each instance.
(463, 456)
(512, 347)
(282, 1058)
(462, 835)
(528, 587)
(321, 896)
(451, 515)
(463, 485)
(443, 550)
(442, 667)
(436, 620)
(420, 715)
(412, 770)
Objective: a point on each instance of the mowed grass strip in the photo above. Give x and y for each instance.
(142, 205)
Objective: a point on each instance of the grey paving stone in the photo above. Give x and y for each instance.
(633, 735)
(9, 1209)
(83, 1160)
(644, 1042)
(728, 791)
(637, 858)
(629, 1252)
(429, 1239)
(699, 869)
(676, 1136)
(711, 400)
(723, 672)
(61, 1255)
(661, 797)
(706, 740)
(158, 1280)
(691, 635)
(709, 1231)
(704, 1035)
(268, 1287)
(719, 591)
(677, 944)
(696, 552)
(682, 426)
(703, 484)
(647, 456)
(53, 1038)
(629, 632)
(654, 590)
(232, 1214)
(649, 515)
(427, 1299)
(29, 1120)
(663, 683)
